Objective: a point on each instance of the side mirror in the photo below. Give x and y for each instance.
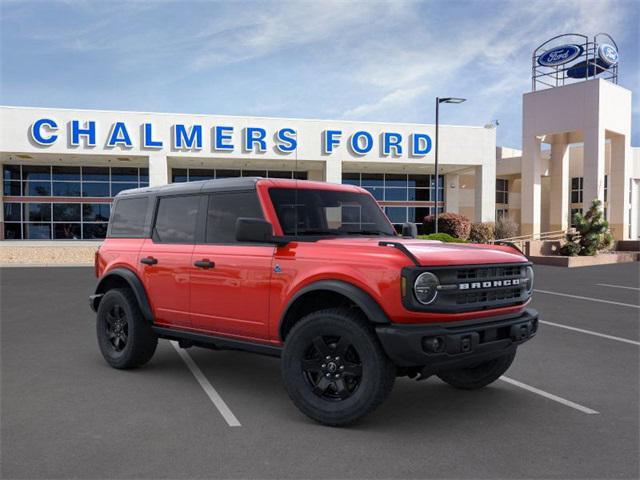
(409, 230)
(253, 230)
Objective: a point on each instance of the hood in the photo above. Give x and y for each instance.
(432, 252)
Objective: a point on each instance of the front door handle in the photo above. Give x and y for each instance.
(149, 260)
(204, 264)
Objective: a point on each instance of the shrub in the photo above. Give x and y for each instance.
(451, 223)
(482, 232)
(443, 237)
(592, 233)
(506, 228)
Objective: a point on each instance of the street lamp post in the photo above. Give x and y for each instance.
(438, 102)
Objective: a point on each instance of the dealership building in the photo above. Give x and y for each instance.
(62, 167)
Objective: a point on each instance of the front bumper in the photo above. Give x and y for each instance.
(452, 345)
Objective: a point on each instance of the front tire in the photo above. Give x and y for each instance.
(480, 375)
(125, 338)
(334, 369)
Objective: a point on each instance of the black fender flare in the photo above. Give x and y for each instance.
(136, 287)
(372, 310)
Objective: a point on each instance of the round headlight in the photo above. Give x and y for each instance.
(425, 288)
(529, 274)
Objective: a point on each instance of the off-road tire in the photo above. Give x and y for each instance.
(140, 343)
(377, 373)
(480, 375)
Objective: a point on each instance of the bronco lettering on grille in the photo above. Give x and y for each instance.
(489, 284)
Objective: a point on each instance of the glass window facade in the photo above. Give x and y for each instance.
(415, 194)
(75, 204)
(195, 174)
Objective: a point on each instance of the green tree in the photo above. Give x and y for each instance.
(591, 235)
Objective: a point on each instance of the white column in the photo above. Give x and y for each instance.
(559, 204)
(593, 167)
(485, 192)
(618, 188)
(531, 188)
(452, 192)
(333, 171)
(158, 169)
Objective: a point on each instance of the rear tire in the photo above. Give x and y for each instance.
(125, 338)
(334, 368)
(479, 376)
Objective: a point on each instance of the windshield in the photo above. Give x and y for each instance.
(328, 212)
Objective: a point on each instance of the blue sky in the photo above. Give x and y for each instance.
(365, 60)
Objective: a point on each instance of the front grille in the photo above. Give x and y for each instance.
(489, 272)
(486, 297)
(476, 287)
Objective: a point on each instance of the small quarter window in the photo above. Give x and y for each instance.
(176, 219)
(128, 217)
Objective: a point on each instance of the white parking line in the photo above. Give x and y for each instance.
(590, 332)
(550, 396)
(211, 392)
(588, 298)
(616, 286)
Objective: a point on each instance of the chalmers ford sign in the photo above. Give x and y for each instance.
(221, 138)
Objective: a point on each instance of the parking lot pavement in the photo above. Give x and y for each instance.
(65, 413)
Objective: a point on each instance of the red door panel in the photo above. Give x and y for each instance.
(232, 297)
(167, 281)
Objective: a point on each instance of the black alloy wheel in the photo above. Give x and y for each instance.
(332, 367)
(117, 327)
(125, 338)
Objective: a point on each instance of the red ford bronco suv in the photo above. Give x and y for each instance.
(312, 272)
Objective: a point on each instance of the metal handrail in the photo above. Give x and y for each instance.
(520, 241)
(538, 236)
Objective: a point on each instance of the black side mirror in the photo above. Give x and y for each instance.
(253, 230)
(409, 230)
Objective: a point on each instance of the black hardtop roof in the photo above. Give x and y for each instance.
(221, 184)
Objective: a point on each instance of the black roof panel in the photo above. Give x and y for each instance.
(238, 183)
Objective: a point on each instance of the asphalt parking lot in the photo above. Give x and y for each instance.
(568, 409)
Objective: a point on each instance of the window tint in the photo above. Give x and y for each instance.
(224, 209)
(176, 219)
(128, 217)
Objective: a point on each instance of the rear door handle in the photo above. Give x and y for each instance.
(149, 260)
(204, 264)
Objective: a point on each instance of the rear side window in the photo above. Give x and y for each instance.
(176, 219)
(224, 209)
(128, 217)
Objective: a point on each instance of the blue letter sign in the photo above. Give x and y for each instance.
(222, 136)
(286, 140)
(119, 136)
(147, 138)
(255, 136)
(182, 139)
(391, 140)
(357, 147)
(36, 131)
(89, 131)
(421, 144)
(331, 138)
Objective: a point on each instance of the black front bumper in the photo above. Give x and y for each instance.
(447, 346)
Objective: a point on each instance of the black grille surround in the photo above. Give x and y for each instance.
(465, 288)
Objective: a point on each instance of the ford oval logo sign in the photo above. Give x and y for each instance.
(608, 54)
(560, 55)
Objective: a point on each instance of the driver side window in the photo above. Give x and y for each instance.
(223, 211)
